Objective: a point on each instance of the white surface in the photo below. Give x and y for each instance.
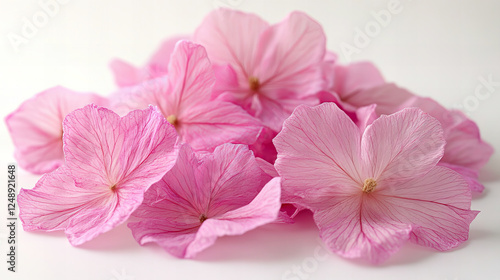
(433, 48)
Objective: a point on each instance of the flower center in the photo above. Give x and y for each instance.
(369, 185)
(203, 218)
(172, 119)
(113, 188)
(254, 84)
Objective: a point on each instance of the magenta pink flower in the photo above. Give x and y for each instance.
(110, 163)
(36, 127)
(267, 69)
(372, 191)
(183, 97)
(129, 75)
(203, 198)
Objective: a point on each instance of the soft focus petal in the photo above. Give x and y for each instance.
(158, 63)
(402, 146)
(263, 209)
(290, 55)
(36, 127)
(469, 175)
(365, 116)
(351, 78)
(388, 98)
(126, 74)
(231, 37)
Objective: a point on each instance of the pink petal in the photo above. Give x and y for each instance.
(464, 146)
(129, 75)
(261, 210)
(437, 206)
(354, 228)
(469, 175)
(214, 123)
(231, 37)
(351, 78)
(365, 116)
(263, 147)
(318, 142)
(402, 146)
(158, 63)
(103, 149)
(230, 166)
(53, 202)
(290, 55)
(388, 98)
(190, 76)
(36, 127)
(126, 74)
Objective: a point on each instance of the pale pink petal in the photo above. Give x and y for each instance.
(190, 76)
(469, 175)
(465, 147)
(318, 142)
(158, 63)
(126, 74)
(231, 37)
(402, 146)
(214, 123)
(53, 202)
(365, 116)
(388, 98)
(129, 75)
(103, 149)
(261, 210)
(354, 228)
(230, 166)
(328, 66)
(36, 127)
(437, 206)
(290, 55)
(351, 78)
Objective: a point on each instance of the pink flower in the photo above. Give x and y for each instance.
(372, 191)
(36, 127)
(129, 75)
(183, 97)
(267, 69)
(203, 198)
(110, 163)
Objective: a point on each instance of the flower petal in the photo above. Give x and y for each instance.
(263, 209)
(402, 146)
(354, 228)
(231, 37)
(321, 143)
(388, 98)
(351, 78)
(230, 166)
(290, 56)
(214, 123)
(190, 76)
(437, 206)
(36, 127)
(53, 202)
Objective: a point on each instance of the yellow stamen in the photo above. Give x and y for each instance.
(254, 83)
(369, 185)
(172, 119)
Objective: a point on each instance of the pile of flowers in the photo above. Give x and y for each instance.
(241, 124)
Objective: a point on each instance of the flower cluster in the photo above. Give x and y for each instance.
(226, 129)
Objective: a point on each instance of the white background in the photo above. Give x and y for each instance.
(433, 48)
